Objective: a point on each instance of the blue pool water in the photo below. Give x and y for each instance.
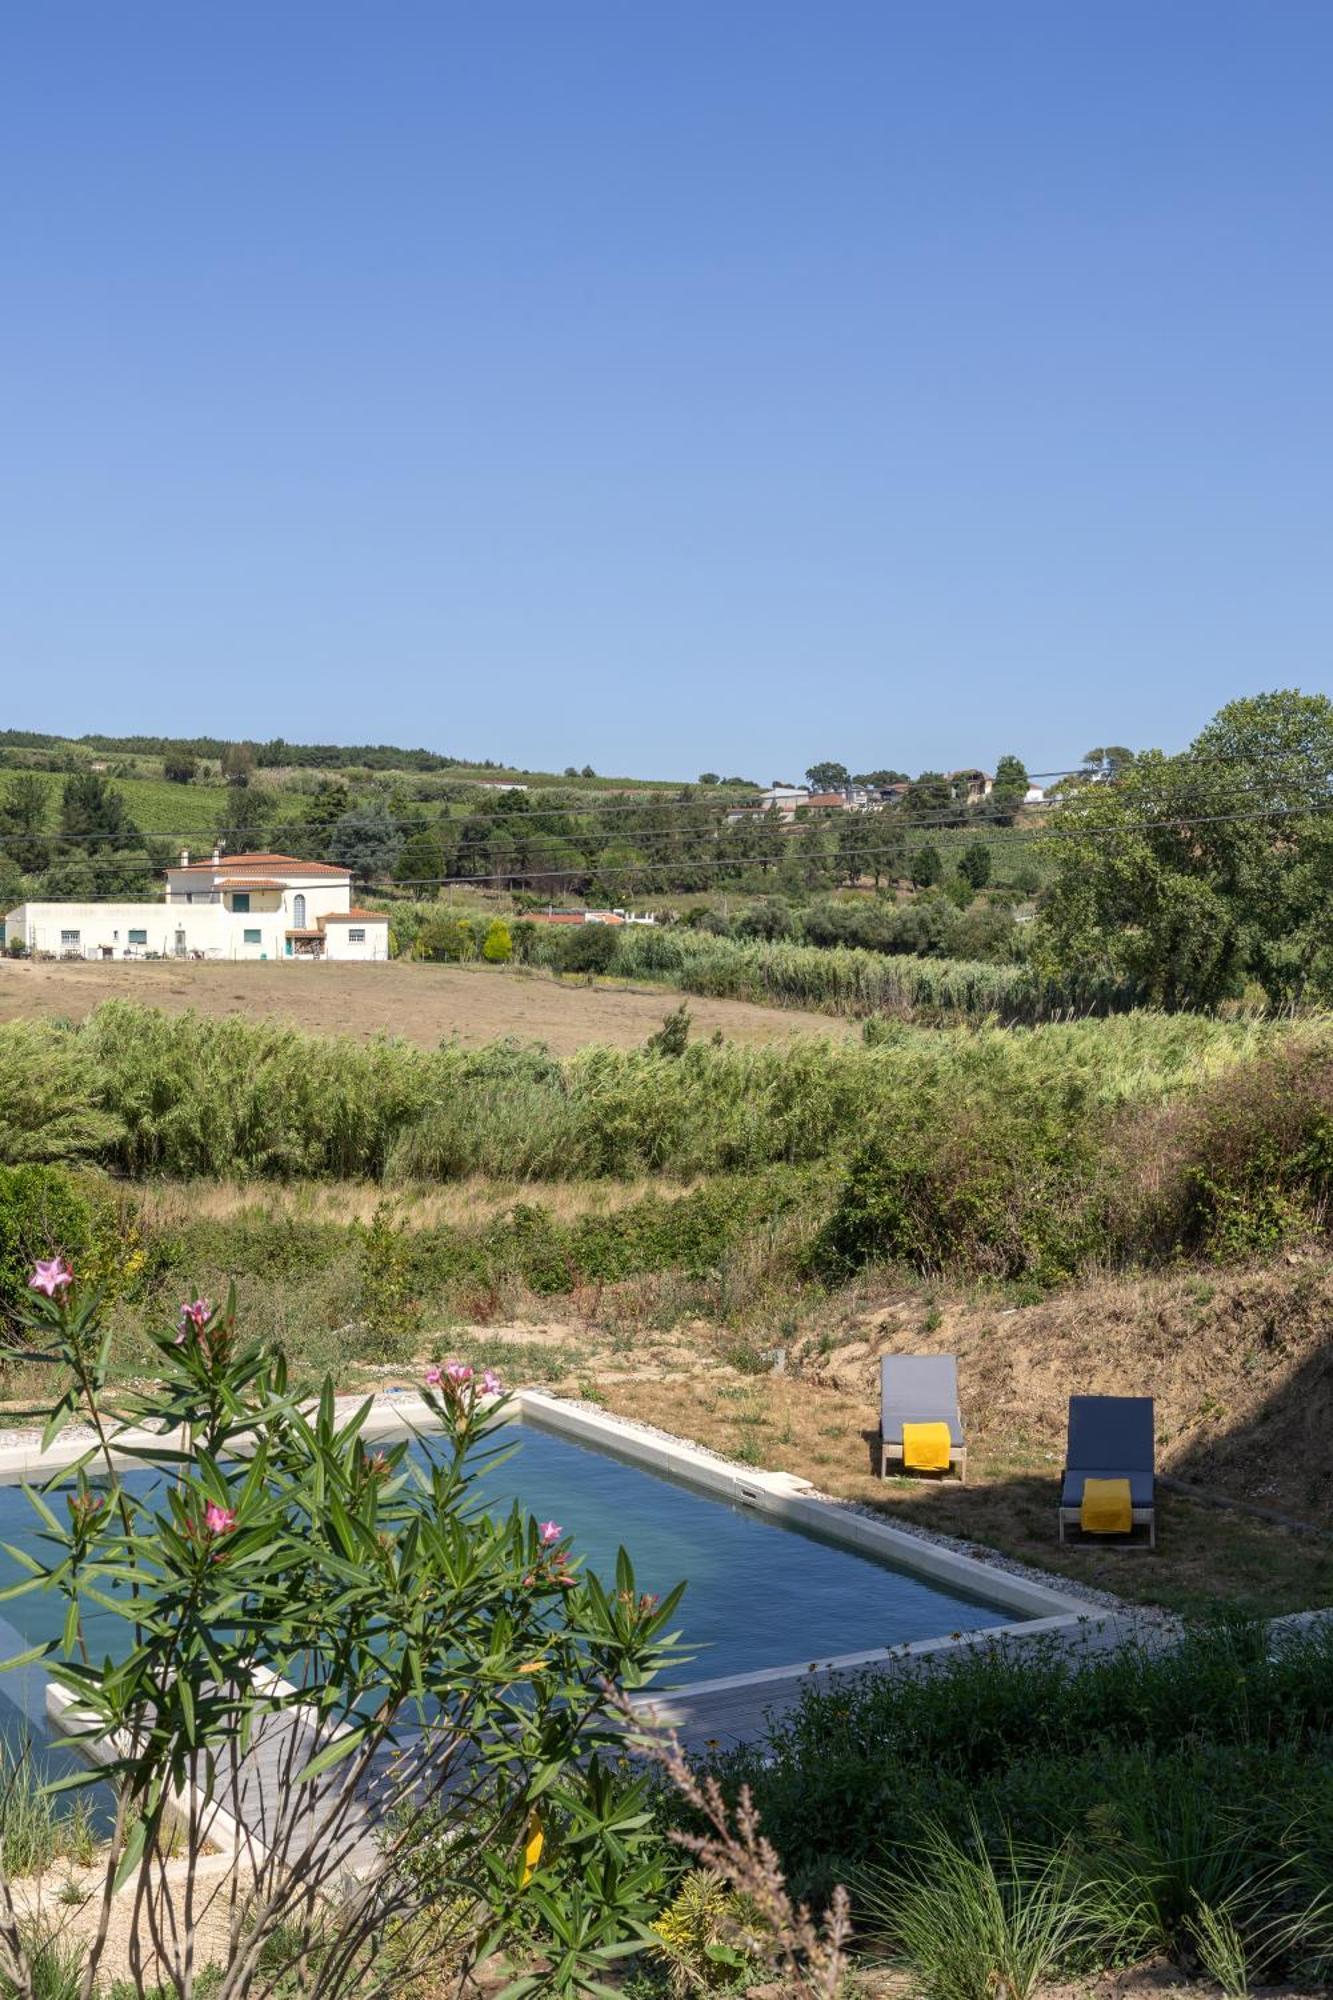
(758, 1594)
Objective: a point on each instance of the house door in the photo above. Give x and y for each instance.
(180, 944)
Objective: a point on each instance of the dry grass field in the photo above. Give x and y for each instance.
(422, 1003)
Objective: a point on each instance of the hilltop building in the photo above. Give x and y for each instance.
(229, 907)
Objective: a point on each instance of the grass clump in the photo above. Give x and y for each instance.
(974, 1923)
(35, 1830)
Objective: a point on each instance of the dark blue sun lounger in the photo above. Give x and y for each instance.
(1111, 1437)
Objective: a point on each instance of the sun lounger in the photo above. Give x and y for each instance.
(919, 1389)
(1110, 1440)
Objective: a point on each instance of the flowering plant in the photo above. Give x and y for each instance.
(333, 1665)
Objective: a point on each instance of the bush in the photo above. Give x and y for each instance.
(1002, 1189)
(588, 948)
(452, 939)
(42, 1214)
(420, 1635)
(1167, 1777)
(974, 864)
(1238, 1167)
(498, 946)
(770, 920)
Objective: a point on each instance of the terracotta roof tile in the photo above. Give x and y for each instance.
(355, 916)
(229, 862)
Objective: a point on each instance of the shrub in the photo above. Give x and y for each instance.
(926, 867)
(1114, 1806)
(672, 1038)
(497, 947)
(1004, 1189)
(698, 1936)
(974, 864)
(420, 1636)
(447, 938)
(588, 948)
(42, 1214)
(1246, 1165)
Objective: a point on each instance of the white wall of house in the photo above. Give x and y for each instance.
(116, 930)
(364, 940)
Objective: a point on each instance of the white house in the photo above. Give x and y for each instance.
(232, 906)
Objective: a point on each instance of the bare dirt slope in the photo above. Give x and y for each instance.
(422, 1003)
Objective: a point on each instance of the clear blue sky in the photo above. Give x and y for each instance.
(671, 384)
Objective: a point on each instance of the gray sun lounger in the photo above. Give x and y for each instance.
(919, 1389)
(1111, 1437)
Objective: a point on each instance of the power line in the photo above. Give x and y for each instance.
(498, 877)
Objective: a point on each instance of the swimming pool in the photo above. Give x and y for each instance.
(760, 1595)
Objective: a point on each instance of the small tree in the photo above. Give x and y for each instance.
(421, 861)
(246, 822)
(927, 867)
(672, 1038)
(93, 810)
(498, 947)
(447, 938)
(588, 948)
(23, 814)
(238, 763)
(366, 840)
(179, 768)
(828, 777)
(974, 864)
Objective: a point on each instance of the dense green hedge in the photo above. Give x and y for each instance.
(1162, 1778)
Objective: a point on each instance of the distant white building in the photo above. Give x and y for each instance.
(230, 907)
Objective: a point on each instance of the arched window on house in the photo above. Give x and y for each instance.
(298, 913)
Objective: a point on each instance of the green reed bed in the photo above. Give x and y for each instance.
(148, 1093)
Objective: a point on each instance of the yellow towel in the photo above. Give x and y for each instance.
(925, 1447)
(1107, 1508)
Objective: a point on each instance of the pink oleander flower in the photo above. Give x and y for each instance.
(219, 1520)
(458, 1373)
(434, 1377)
(491, 1385)
(50, 1276)
(548, 1532)
(194, 1317)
